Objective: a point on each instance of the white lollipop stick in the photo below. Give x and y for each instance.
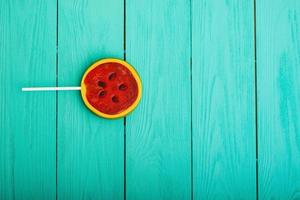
(31, 89)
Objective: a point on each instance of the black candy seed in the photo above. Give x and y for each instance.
(101, 84)
(112, 76)
(102, 94)
(115, 99)
(122, 87)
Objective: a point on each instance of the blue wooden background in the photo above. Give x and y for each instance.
(219, 116)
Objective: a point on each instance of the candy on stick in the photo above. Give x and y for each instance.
(111, 88)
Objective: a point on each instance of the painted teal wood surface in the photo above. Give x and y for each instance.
(27, 127)
(90, 149)
(278, 65)
(223, 100)
(158, 156)
(200, 127)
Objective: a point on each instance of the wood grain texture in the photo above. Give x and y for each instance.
(278, 64)
(90, 148)
(27, 120)
(158, 131)
(223, 100)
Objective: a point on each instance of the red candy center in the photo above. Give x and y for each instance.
(111, 88)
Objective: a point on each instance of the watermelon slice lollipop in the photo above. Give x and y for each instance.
(111, 88)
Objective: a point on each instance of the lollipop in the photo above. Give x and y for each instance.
(111, 88)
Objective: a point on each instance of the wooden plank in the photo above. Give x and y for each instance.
(90, 149)
(278, 62)
(158, 131)
(27, 133)
(223, 100)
